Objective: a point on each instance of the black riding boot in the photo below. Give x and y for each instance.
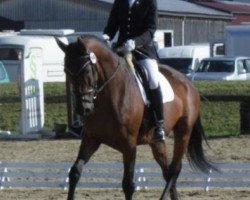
(157, 106)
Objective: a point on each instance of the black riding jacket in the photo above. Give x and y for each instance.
(138, 23)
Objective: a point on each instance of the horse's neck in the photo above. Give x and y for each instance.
(111, 66)
(122, 82)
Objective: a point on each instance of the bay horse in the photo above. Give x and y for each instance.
(109, 100)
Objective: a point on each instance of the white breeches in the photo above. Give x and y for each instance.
(151, 67)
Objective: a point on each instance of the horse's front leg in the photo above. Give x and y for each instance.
(128, 184)
(87, 148)
(74, 176)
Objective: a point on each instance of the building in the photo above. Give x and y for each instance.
(239, 9)
(189, 22)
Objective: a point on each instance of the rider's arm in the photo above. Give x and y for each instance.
(113, 23)
(147, 36)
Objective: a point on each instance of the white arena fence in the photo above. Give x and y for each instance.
(109, 175)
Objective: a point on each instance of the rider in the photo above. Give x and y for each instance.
(136, 21)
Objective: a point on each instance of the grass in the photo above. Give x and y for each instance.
(219, 118)
(220, 121)
(10, 112)
(9, 116)
(223, 87)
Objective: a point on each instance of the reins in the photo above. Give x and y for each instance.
(95, 89)
(98, 90)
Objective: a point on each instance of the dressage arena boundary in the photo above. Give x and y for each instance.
(109, 175)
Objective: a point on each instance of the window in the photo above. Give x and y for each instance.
(247, 65)
(3, 74)
(181, 64)
(10, 53)
(240, 66)
(216, 66)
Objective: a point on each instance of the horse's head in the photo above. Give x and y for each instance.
(80, 69)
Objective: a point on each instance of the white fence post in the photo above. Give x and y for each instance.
(3, 178)
(66, 181)
(208, 180)
(141, 178)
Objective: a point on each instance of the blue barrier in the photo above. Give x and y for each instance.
(109, 175)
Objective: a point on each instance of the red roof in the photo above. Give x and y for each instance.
(240, 11)
(241, 19)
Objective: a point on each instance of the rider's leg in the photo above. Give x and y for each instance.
(155, 97)
(157, 105)
(76, 128)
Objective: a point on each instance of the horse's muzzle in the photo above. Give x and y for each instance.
(84, 104)
(87, 108)
(87, 104)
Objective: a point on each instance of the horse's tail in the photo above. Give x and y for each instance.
(195, 153)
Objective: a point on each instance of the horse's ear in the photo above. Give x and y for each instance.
(81, 42)
(61, 44)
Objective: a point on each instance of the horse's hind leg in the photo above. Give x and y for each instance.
(128, 177)
(87, 148)
(182, 132)
(160, 154)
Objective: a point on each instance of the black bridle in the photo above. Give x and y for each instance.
(75, 74)
(95, 90)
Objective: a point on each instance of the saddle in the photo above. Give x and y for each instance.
(142, 78)
(139, 71)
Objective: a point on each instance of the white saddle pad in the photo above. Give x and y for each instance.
(166, 89)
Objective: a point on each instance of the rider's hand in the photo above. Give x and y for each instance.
(106, 38)
(129, 45)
